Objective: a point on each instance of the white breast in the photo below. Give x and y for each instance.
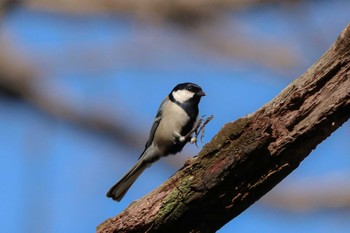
(173, 119)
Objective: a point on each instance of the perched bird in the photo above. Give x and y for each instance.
(172, 129)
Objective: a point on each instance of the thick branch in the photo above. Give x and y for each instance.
(248, 157)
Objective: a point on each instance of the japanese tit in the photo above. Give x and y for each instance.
(171, 130)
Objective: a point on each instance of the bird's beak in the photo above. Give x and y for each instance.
(201, 93)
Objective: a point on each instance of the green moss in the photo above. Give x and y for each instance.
(173, 204)
(229, 131)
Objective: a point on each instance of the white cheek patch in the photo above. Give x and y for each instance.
(182, 95)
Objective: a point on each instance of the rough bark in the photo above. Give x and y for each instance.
(248, 157)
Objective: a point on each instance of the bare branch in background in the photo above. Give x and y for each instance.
(18, 78)
(203, 23)
(6, 5)
(177, 11)
(233, 42)
(331, 192)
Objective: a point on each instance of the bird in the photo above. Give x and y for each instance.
(172, 128)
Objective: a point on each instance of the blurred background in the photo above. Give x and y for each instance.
(80, 83)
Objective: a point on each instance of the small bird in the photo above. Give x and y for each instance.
(173, 127)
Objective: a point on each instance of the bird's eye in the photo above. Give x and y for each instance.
(190, 88)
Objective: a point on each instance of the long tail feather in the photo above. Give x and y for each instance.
(118, 190)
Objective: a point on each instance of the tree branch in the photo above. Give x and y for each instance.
(248, 157)
(19, 78)
(328, 192)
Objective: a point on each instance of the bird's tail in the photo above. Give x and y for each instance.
(118, 190)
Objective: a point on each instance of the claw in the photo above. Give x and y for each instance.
(193, 140)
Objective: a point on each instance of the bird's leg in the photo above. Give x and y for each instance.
(179, 137)
(194, 130)
(188, 137)
(197, 128)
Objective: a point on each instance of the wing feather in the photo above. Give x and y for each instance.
(154, 127)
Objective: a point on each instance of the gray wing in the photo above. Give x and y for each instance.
(153, 131)
(154, 126)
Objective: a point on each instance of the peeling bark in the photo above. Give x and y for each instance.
(248, 157)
